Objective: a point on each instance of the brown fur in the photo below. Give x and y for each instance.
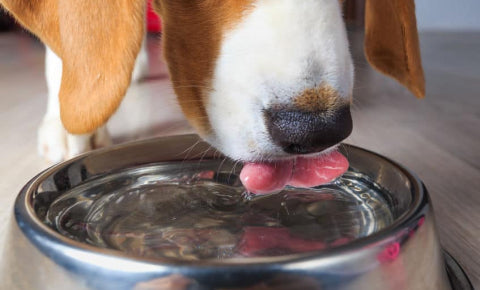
(391, 42)
(192, 35)
(317, 99)
(98, 42)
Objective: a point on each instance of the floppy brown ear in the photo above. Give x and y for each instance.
(391, 42)
(98, 42)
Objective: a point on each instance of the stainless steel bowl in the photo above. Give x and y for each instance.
(403, 253)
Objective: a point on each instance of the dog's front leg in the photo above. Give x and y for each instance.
(54, 142)
(140, 70)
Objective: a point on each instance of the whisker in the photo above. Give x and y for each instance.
(188, 151)
(201, 154)
(233, 169)
(221, 164)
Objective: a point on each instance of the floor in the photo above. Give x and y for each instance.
(438, 137)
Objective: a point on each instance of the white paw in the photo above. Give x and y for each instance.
(55, 144)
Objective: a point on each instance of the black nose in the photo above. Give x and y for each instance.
(301, 132)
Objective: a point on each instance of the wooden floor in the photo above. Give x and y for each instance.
(438, 137)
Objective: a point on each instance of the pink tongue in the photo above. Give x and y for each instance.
(304, 172)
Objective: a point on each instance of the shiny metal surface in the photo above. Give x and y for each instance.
(404, 255)
(186, 211)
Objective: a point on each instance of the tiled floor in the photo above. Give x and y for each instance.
(438, 138)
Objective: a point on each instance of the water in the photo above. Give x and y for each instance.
(189, 212)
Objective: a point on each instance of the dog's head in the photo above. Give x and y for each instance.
(258, 79)
(261, 79)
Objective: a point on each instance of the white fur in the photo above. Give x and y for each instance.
(54, 142)
(140, 69)
(279, 49)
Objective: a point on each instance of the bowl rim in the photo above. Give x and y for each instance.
(57, 246)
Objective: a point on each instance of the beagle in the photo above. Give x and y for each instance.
(263, 81)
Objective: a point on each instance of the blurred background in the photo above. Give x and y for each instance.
(438, 137)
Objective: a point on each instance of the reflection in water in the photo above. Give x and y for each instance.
(192, 213)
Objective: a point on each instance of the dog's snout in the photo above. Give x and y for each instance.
(302, 132)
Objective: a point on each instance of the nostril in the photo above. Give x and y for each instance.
(296, 148)
(300, 132)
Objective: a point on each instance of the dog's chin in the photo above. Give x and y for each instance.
(288, 157)
(262, 152)
(317, 154)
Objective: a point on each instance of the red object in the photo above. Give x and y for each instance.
(257, 240)
(266, 177)
(390, 253)
(153, 21)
